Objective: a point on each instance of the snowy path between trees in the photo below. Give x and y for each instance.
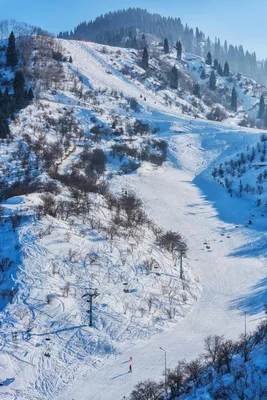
(177, 204)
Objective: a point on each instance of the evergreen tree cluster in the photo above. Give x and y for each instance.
(129, 22)
(217, 66)
(179, 50)
(174, 78)
(234, 100)
(10, 103)
(145, 58)
(166, 46)
(263, 110)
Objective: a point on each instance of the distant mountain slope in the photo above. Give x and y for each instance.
(125, 27)
(120, 70)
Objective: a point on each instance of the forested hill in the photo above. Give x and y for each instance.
(125, 28)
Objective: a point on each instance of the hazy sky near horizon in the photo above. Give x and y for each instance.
(238, 21)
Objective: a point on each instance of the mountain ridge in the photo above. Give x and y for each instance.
(124, 27)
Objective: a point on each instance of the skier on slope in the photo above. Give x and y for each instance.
(130, 368)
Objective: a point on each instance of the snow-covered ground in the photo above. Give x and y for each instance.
(232, 272)
(48, 350)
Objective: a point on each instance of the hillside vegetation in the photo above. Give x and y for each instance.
(98, 156)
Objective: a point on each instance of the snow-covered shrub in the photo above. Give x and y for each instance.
(216, 114)
(129, 166)
(172, 241)
(134, 104)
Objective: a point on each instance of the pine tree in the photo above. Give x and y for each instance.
(70, 60)
(265, 119)
(209, 59)
(262, 107)
(11, 53)
(212, 84)
(226, 70)
(143, 43)
(196, 90)
(174, 78)
(234, 100)
(215, 63)
(145, 58)
(179, 49)
(166, 46)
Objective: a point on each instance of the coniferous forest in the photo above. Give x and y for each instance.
(125, 28)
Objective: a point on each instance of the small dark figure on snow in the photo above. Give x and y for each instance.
(130, 368)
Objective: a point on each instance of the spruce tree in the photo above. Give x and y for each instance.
(215, 63)
(179, 50)
(234, 100)
(145, 58)
(174, 78)
(226, 70)
(212, 84)
(196, 90)
(261, 107)
(209, 59)
(166, 46)
(70, 60)
(11, 53)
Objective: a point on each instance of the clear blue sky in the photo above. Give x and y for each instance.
(239, 21)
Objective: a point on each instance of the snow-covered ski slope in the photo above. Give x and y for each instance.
(180, 196)
(225, 261)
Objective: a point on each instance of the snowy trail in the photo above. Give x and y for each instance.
(177, 204)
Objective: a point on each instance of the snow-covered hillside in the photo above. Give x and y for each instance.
(113, 162)
(114, 63)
